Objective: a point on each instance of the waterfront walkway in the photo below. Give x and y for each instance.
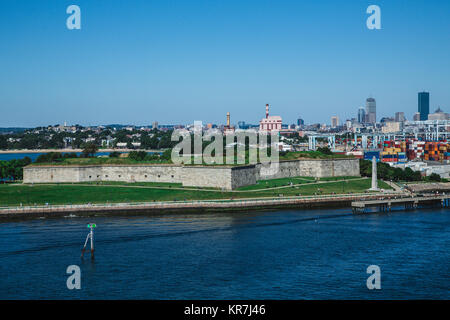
(161, 207)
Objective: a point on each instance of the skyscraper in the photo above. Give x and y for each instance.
(399, 116)
(416, 116)
(371, 110)
(424, 105)
(361, 115)
(334, 121)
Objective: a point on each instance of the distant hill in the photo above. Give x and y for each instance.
(12, 130)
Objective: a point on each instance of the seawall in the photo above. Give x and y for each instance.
(158, 208)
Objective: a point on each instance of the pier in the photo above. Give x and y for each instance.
(385, 205)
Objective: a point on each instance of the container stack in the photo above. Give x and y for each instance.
(402, 157)
(415, 149)
(391, 151)
(436, 151)
(412, 149)
(431, 151)
(368, 155)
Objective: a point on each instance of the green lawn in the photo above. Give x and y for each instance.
(313, 155)
(283, 182)
(142, 184)
(11, 195)
(263, 184)
(128, 161)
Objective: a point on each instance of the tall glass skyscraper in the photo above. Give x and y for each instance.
(424, 105)
(361, 115)
(371, 110)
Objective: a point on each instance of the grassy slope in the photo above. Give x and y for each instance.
(106, 160)
(72, 194)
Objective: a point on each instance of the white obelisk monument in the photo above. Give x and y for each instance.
(374, 175)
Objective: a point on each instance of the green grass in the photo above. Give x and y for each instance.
(338, 178)
(311, 154)
(142, 184)
(283, 182)
(11, 195)
(264, 184)
(125, 161)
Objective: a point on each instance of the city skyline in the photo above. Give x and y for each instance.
(360, 116)
(176, 63)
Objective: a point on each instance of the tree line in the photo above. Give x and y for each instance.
(46, 139)
(386, 172)
(12, 170)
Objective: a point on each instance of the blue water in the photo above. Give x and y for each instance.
(293, 254)
(34, 156)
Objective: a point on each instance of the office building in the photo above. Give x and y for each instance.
(424, 105)
(416, 116)
(334, 121)
(371, 110)
(400, 117)
(361, 115)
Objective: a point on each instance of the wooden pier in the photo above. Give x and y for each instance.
(410, 203)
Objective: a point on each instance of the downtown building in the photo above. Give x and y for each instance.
(371, 111)
(423, 104)
(361, 115)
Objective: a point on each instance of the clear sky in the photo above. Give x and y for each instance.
(135, 62)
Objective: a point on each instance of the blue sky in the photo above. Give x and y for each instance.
(135, 62)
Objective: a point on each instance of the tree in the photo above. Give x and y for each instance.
(149, 143)
(325, 150)
(49, 157)
(167, 155)
(114, 154)
(137, 155)
(3, 142)
(165, 142)
(13, 169)
(90, 149)
(434, 177)
(365, 168)
(398, 174)
(130, 145)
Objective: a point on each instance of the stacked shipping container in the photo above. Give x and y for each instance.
(402, 151)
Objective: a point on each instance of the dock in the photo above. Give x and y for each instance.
(409, 203)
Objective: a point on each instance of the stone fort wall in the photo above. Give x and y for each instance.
(222, 177)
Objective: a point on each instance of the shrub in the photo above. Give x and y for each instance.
(137, 155)
(114, 154)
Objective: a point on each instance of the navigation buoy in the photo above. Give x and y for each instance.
(89, 236)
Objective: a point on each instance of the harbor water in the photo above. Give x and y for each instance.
(283, 254)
